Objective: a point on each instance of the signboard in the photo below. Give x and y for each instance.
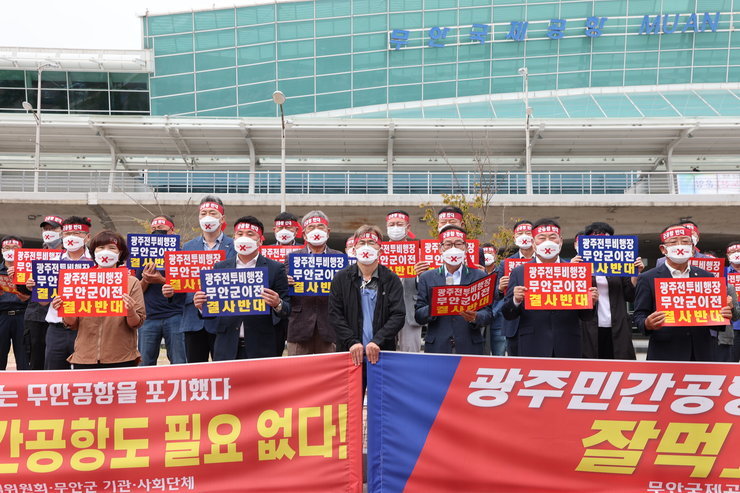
(715, 266)
(691, 301)
(46, 276)
(512, 263)
(234, 292)
(400, 257)
(312, 274)
(609, 255)
(93, 292)
(429, 252)
(557, 286)
(278, 253)
(145, 248)
(24, 257)
(451, 300)
(182, 269)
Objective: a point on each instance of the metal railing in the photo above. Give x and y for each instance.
(369, 183)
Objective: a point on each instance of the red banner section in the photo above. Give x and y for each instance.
(691, 301)
(451, 300)
(733, 279)
(24, 257)
(278, 253)
(219, 428)
(182, 269)
(429, 252)
(400, 257)
(6, 284)
(715, 266)
(512, 263)
(557, 286)
(92, 292)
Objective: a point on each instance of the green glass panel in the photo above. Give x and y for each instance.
(412, 20)
(405, 58)
(734, 73)
(169, 45)
(735, 57)
(642, 59)
(328, 102)
(374, 115)
(676, 42)
(49, 79)
(88, 80)
(213, 40)
(256, 92)
(508, 50)
(128, 101)
(294, 11)
(229, 112)
(506, 67)
(433, 73)
(710, 57)
(297, 106)
(607, 61)
(475, 110)
(474, 3)
(333, 46)
(642, 43)
(370, 23)
(370, 42)
(709, 74)
(170, 24)
(365, 61)
(606, 78)
(508, 109)
(545, 65)
(688, 104)
(439, 55)
(297, 87)
(474, 52)
(332, 8)
(372, 78)
(248, 16)
(369, 6)
(573, 80)
(574, 10)
(439, 90)
(295, 30)
(409, 75)
(674, 76)
(89, 101)
(653, 105)
(506, 84)
(399, 5)
(440, 18)
(675, 58)
(333, 27)
(541, 82)
(440, 4)
(296, 68)
(177, 64)
(581, 107)
(545, 11)
(295, 49)
(254, 35)
(267, 108)
(215, 99)
(334, 64)
(132, 82)
(256, 54)
(468, 17)
(640, 77)
(473, 87)
(547, 108)
(440, 112)
(644, 7)
(572, 63)
(574, 46)
(508, 14)
(163, 86)
(473, 70)
(617, 106)
(608, 43)
(334, 83)
(173, 105)
(540, 47)
(215, 59)
(215, 19)
(735, 39)
(369, 97)
(404, 93)
(215, 78)
(406, 113)
(723, 101)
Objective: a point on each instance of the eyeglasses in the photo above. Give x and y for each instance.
(458, 244)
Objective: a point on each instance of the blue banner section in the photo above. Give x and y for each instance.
(397, 442)
(143, 249)
(234, 292)
(312, 274)
(610, 255)
(46, 275)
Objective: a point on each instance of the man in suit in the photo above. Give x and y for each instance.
(673, 343)
(545, 333)
(694, 229)
(309, 331)
(200, 333)
(461, 333)
(523, 239)
(250, 336)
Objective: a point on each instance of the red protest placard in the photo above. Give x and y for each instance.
(6, 285)
(557, 286)
(429, 252)
(691, 301)
(278, 253)
(182, 269)
(512, 263)
(451, 300)
(715, 266)
(24, 257)
(733, 279)
(92, 292)
(400, 257)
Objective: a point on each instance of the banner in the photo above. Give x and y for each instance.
(429, 252)
(143, 249)
(225, 427)
(512, 263)
(691, 301)
(278, 253)
(24, 257)
(46, 275)
(400, 257)
(733, 279)
(609, 255)
(234, 292)
(93, 292)
(6, 285)
(451, 300)
(449, 423)
(312, 274)
(715, 266)
(557, 286)
(182, 269)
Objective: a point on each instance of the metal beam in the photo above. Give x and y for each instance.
(252, 157)
(174, 134)
(389, 155)
(668, 151)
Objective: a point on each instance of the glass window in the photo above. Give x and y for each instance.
(581, 107)
(674, 76)
(214, 19)
(334, 83)
(365, 61)
(295, 11)
(50, 100)
(11, 78)
(723, 101)
(169, 24)
(606, 78)
(213, 40)
(177, 64)
(255, 15)
(506, 84)
(708, 74)
(216, 99)
(88, 80)
(368, 6)
(295, 30)
(215, 59)
(509, 109)
(88, 100)
(440, 18)
(676, 58)
(132, 82)
(406, 113)
(607, 61)
(652, 105)
(296, 68)
(372, 78)
(215, 78)
(49, 79)
(640, 77)
(333, 64)
(256, 34)
(434, 73)
(333, 46)
(332, 27)
(642, 59)
(256, 73)
(129, 101)
(164, 86)
(404, 58)
(267, 108)
(475, 110)
(256, 92)
(335, 101)
(296, 106)
(369, 97)
(170, 45)
(448, 111)
(439, 55)
(333, 8)
(617, 106)
(295, 49)
(297, 87)
(468, 17)
(473, 70)
(400, 94)
(256, 54)
(473, 87)
(370, 42)
(370, 23)
(229, 112)
(688, 104)
(406, 21)
(13, 99)
(399, 5)
(574, 79)
(174, 105)
(439, 90)
(409, 75)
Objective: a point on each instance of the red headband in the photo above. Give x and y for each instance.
(451, 233)
(368, 236)
(691, 227)
(315, 220)
(12, 243)
(491, 250)
(53, 219)
(450, 215)
(397, 215)
(350, 241)
(248, 226)
(212, 205)
(733, 248)
(674, 232)
(76, 227)
(523, 228)
(545, 228)
(287, 224)
(160, 221)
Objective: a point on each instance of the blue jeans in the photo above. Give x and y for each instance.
(150, 340)
(498, 342)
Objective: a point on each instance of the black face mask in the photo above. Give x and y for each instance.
(159, 232)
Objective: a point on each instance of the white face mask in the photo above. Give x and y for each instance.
(209, 224)
(523, 241)
(245, 245)
(735, 258)
(73, 243)
(317, 237)
(396, 233)
(106, 258)
(490, 259)
(679, 253)
(285, 236)
(9, 255)
(366, 254)
(695, 239)
(548, 249)
(453, 256)
(50, 236)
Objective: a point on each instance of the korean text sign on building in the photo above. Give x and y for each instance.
(691, 301)
(93, 292)
(451, 300)
(234, 291)
(182, 269)
(557, 286)
(400, 257)
(150, 248)
(222, 427)
(429, 252)
(714, 266)
(278, 253)
(313, 273)
(46, 276)
(610, 255)
(24, 257)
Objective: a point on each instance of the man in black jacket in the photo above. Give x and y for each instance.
(366, 302)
